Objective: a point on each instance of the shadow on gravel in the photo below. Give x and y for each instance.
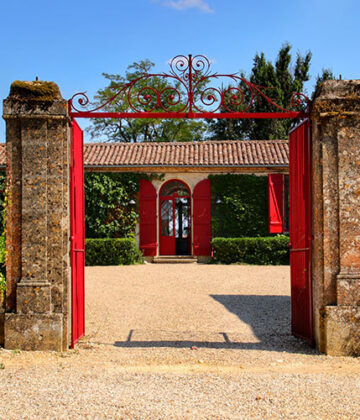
(268, 317)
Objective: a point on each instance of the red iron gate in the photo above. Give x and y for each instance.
(195, 99)
(301, 231)
(77, 229)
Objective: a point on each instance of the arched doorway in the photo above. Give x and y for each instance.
(175, 218)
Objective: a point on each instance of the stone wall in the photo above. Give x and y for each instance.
(37, 133)
(336, 217)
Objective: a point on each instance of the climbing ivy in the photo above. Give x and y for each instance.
(2, 199)
(111, 204)
(3, 202)
(108, 209)
(239, 205)
(2, 268)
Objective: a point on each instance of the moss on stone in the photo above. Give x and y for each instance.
(337, 98)
(38, 91)
(346, 106)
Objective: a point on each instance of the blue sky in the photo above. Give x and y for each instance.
(73, 42)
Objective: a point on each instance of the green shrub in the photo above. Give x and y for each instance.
(112, 251)
(272, 250)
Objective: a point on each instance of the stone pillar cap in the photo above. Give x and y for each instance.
(35, 91)
(35, 99)
(337, 97)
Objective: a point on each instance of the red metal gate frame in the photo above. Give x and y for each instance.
(189, 97)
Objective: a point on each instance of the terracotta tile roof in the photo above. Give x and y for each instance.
(207, 153)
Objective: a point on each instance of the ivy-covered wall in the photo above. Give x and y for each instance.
(2, 198)
(109, 208)
(239, 205)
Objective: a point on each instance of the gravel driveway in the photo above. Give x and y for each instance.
(182, 341)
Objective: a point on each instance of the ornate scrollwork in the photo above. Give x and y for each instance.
(185, 89)
(79, 100)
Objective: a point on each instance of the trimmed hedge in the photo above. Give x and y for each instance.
(112, 251)
(272, 250)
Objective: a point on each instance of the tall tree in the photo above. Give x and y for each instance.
(280, 81)
(139, 130)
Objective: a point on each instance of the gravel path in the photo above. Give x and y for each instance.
(182, 341)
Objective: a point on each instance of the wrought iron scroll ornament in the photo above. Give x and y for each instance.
(184, 92)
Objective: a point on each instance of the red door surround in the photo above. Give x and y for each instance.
(175, 218)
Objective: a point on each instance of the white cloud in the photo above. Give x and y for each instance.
(188, 4)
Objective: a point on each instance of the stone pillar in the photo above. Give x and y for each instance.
(336, 217)
(37, 147)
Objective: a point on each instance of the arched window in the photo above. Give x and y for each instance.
(174, 188)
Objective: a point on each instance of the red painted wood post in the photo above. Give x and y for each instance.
(77, 229)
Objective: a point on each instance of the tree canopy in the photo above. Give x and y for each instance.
(139, 130)
(281, 80)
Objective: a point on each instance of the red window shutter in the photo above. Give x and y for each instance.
(202, 218)
(275, 193)
(148, 243)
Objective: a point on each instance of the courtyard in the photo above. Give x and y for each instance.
(182, 341)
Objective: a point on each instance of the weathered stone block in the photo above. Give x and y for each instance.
(32, 298)
(342, 330)
(348, 289)
(34, 332)
(34, 262)
(336, 222)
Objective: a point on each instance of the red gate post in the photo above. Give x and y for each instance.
(37, 224)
